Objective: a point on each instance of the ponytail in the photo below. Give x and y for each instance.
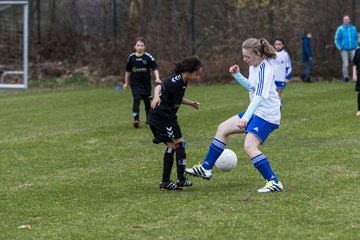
(260, 46)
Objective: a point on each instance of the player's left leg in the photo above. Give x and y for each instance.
(161, 136)
(168, 162)
(147, 103)
(261, 163)
(180, 163)
(166, 183)
(136, 111)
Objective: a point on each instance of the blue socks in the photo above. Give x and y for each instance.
(263, 166)
(260, 161)
(215, 150)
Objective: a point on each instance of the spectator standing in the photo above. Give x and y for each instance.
(306, 56)
(346, 40)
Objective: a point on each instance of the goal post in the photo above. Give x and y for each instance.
(14, 32)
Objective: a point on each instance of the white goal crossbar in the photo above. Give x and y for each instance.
(24, 70)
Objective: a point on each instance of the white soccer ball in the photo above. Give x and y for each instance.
(227, 161)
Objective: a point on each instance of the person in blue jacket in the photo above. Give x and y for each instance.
(346, 40)
(306, 56)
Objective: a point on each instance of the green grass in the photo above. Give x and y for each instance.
(73, 167)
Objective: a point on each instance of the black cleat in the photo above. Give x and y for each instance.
(136, 123)
(183, 183)
(168, 186)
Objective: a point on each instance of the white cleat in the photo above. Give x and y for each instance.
(272, 186)
(199, 171)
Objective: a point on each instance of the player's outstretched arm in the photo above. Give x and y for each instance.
(239, 78)
(194, 104)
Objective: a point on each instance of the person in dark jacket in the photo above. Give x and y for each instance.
(306, 55)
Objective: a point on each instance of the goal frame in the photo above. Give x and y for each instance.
(24, 71)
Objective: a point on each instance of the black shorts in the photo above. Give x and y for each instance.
(141, 91)
(164, 130)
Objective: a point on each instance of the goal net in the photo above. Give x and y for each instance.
(13, 44)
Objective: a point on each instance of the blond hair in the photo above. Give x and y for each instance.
(260, 46)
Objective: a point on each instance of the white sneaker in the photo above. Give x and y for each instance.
(272, 186)
(199, 171)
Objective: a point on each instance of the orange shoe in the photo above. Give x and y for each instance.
(136, 123)
(357, 114)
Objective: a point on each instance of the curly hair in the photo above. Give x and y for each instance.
(190, 65)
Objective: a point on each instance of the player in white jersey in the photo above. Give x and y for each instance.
(260, 118)
(281, 65)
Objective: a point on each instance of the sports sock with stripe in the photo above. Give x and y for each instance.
(263, 166)
(215, 150)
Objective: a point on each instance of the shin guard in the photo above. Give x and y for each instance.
(180, 160)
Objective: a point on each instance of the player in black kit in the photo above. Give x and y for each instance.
(138, 70)
(163, 119)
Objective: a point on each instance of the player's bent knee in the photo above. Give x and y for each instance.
(221, 129)
(250, 149)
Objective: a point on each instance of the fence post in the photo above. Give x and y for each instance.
(38, 21)
(193, 26)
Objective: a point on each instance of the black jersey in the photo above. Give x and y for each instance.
(172, 93)
(139, 66)
(356, 60)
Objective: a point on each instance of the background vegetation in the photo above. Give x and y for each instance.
(99, 34)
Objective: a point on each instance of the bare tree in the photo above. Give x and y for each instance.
(82, 31)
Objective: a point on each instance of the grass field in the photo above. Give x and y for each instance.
(73, 167)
